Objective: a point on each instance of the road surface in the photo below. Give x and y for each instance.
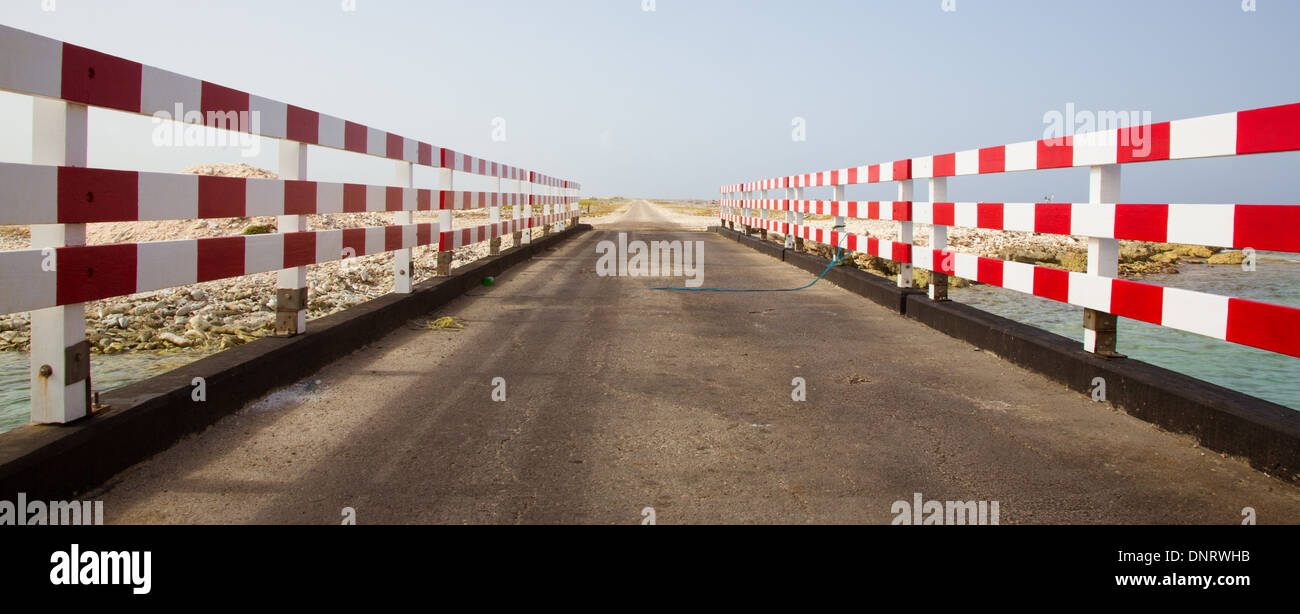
(620, 398)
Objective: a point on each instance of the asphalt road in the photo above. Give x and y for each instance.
(620, 398)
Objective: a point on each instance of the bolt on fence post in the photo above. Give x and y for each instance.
(446, 182)
(1100, 328)
(494, 217)
(60, 355)
(403, 259)
(798, 219)
(291, 283)
(905, 235)
(938, 240)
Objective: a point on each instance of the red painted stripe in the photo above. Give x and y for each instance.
(465, 237)
(395, 146)
(354, 239)
(1052, 283)
(221, 196)
(1136, 300)
(903, 169)
(902, 252)
(426, 154)
(1271, 327)
(95, 195)
(1142, 222)
(424, 233)
(448, 157)
(873, 210)
(989, 271)
(424, 200)
(99, 79)
(873, 173)
(1143, 143)
(392, 238)
(90, 273)
(354, 198)
(945, 214)
(1270, 129)
(945, 165)
(1271, 227)
(835, 177)
(299, 249)
(1056, 153)
(1052, 218)
(853, 177)
(302, 125)
(945, 262)
(299, 197)
(354, 137)
(392, 198)
(220, 258)
(989, 215)
(225, 108)
(851, 209)
(902, 211)
(993, 159)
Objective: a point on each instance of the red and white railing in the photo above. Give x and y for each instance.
(57, 196)
(1103, 220)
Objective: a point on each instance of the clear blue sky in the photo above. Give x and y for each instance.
(698, 93)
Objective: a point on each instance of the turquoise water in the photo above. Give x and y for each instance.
(1267, 375)
(108, 372)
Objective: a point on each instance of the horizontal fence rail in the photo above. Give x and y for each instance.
(57, 195)
(1104, 220)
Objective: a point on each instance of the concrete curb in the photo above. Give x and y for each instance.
(1266, 434)
(54, 462)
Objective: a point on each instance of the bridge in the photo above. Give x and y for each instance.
(572, 395)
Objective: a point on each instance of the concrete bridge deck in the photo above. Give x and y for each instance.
(621, 398)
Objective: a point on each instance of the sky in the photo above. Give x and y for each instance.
(674, 98)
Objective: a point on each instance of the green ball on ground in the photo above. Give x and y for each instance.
(487, 281)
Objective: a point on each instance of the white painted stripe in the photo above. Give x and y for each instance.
(1089, 291)
(1018, 276)
(966, 265)
(411, 150)
(264, 197)
(166, 264)
(329, 198)
(375, 240)
(376, 198)
(1022, 156)
(269, 117)
(1018, 217)
(922, 257)
(886, 172)
(164, 196)
(968, 162)
(1093, 220)
(331, 131)
(1203, 225)
(22, 269)
(32, 64)
(329, 245)
(263, 253)
(376, 142)
(161, 91)
(923, 213)
(1202, 137)
(1196, 312)
(30, 194)
(923, 168)
(1096, 148)
(965, 214)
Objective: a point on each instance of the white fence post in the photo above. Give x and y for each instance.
(841, 222)
(798, 219)
(1100, 328)
(528, 210)
(517, 212)
(789, 217)
(905, 235)
(938, 240)
(60, 357)
(446, 182)
(403, 259)
(494, 216)
(291, 284)
(762, 214)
